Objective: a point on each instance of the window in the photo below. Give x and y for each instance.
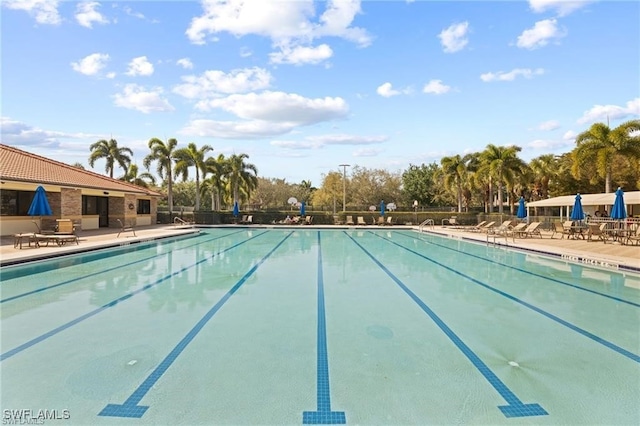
(144, 206)
(15, 203)
(89, 204)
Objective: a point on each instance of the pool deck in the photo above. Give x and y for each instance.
(597, 253)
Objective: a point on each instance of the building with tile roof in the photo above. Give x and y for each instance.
(89, 199)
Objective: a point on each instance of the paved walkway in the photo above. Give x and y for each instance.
(597, 253)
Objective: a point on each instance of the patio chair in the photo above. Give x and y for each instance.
(487, 227)
(476, 228)
(389, 221)
(634, 237)
(350, 220)
(124, 228)
(337, 220)
(380, 221)
(308, 220)
(597, 232)
(361, 221)
(453, 220)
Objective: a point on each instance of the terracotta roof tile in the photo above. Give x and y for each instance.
(23, 166)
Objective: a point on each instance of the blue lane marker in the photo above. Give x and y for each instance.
(617, 299)
(130, 407)
(597, 339)
(515, 407)
(323, 415)
(18, 296)
(111, 304)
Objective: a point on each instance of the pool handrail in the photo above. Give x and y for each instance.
(428, 222)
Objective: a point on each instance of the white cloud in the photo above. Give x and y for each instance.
(612, 112)
(570, 135)
(215, 83)
(299, 55)
(44, 11)
(386, 90)
(549, 125)
(280, 107)
(131, 12)
(562, 7)
(316, 142)
(140, 66)
(253, 129)
(245, 52)
(436, 87)
(146, 101)
(185, 63)
(92, 64)
(366, 152)
(511, 75)
(454, 38)
(540, 144)
(86, 14)
(111, 75)
(20, 134)
(540, 34)
(289, 25)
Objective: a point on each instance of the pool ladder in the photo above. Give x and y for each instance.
(428, 222)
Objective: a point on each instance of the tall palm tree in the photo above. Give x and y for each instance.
(216, 182)
(163, 154)
(600, 145)
(241, 177)
(140, 179)
(191, 156)
(454, 172)
(545, 168)
(502, 164)
(112, 153)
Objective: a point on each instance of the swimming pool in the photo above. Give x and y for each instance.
(293, 326)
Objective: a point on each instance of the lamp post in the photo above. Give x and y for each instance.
(344, 186)
(415, 210)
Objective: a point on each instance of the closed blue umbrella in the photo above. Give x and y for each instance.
(577, 213)
(236, 209)
(619, 211)
(522, 211)
(40, 204)
(302, 209)
(382, 208)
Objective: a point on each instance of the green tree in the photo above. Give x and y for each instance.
(141, 179)
(329, 192)
(112, 153)
(191, 156)
(454, 170)
(601, 146)
(241, 176)
(502, 164)
(545, 169)
(215, 184)
(163, 154)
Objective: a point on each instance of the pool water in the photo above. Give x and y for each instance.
(306, 326)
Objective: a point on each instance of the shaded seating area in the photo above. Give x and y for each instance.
(124, 228)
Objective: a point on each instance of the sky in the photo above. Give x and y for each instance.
(302, 87)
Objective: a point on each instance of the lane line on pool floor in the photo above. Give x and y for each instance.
(113, 303)
(617, 299)
(323, 414)
(39, 290)
(130, 407)
(515, 407)
(597, 339)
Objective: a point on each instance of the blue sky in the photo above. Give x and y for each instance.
(303, 86)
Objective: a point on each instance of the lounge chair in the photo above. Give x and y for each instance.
(530, 230)
(64, 234)
(560, 228)
(487, 227)
(124, 228)
(476, 228)
(361, 221)
(337, 220)
(634, 237)
(350, 220)
(453, 220)
(308, 220)
(389, 221)
(380, 221)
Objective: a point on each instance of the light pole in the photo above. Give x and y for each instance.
(344, 186)
(415, 209)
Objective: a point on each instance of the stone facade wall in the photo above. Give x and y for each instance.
(154, 211)
(130, 214)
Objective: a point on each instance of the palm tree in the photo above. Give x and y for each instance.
(216, 182)
(112, 153)
(502, 164)
(545, 168)
(191, 156)
(454, 172)
(164, 155)
(600, 145)
(241, 176)
(140, 179)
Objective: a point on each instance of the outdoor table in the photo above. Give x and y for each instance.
(577, 231)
